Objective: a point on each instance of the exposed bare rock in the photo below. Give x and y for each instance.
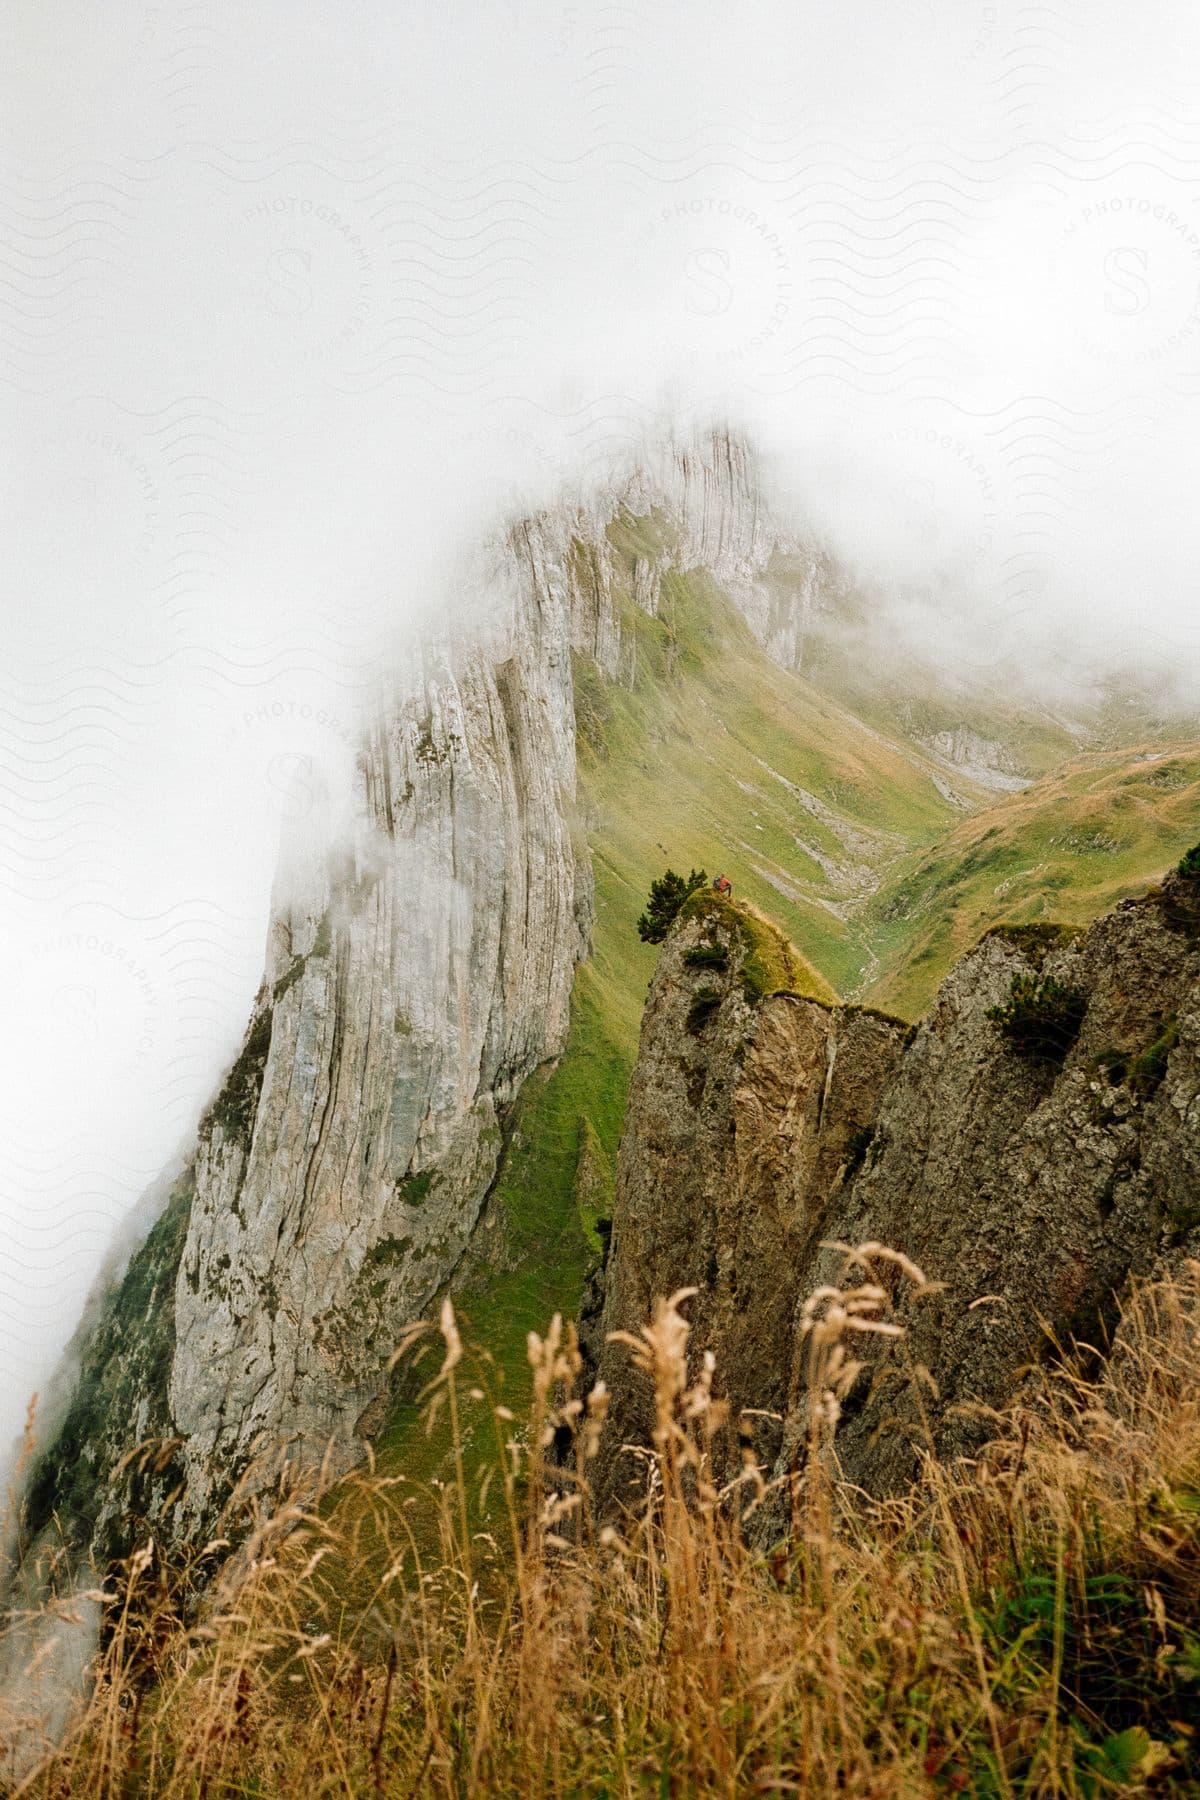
(1031, 1190)
(342, 1168)
(983, 760)
(743, 1114)
(1031, 1186)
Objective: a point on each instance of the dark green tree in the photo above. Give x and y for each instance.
(667, 895)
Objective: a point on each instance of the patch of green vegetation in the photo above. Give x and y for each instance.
(1040, 1019)
(593, 709)
(704, 1003)
(595, 1182)
(123, 1376)
(642, 537)
(1189, 864)
(1147, 1069)
(236, 1105)
(289, 979)
(543, 1225)
(1141, 1070)
(770, 964)
(707, 956)
(414, 1188)
(389, 1252)
(1115, 1687)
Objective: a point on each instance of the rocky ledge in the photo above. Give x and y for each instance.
(1031, 1145)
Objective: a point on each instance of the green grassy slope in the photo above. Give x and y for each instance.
(714, 756)
(1067, 848)
(889, 687)
(710, 756)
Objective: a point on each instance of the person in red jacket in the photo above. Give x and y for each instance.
(722, 884)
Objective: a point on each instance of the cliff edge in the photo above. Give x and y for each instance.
(1033, 1143)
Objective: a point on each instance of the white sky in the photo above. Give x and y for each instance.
(294, 300)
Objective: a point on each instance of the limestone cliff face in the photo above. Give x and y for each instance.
(784, 586)
(415, 977)
(339, 1174)
(1031, 1188)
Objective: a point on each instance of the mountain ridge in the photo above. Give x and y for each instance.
(434, 1068)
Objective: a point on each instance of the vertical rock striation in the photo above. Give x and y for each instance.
(1031, 1185)
(341, 1170)
(416, 974)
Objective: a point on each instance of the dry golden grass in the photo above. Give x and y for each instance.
(1028, 1625)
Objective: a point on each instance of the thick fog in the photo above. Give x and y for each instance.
(296, 301)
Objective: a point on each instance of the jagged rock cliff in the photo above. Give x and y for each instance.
(746, 1107)
(416, 974)
(1031, 1185)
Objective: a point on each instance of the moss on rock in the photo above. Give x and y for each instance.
(120, 1400)
(234, 1109)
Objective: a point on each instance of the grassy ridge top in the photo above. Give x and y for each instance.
(1067, 848)
(772, 964)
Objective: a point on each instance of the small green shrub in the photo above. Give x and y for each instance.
(707, 956)
(1147, 1069)
(1113, 1064)
(236, 1106)
(1041, 1018)
(705, 1002)
(1142, 1070)
(413, 1189)
(667, 895)
(1189, 864)
(1034, 940)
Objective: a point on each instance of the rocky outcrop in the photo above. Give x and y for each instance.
(419, 968)
(1030, 1171)
(746, 1109)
